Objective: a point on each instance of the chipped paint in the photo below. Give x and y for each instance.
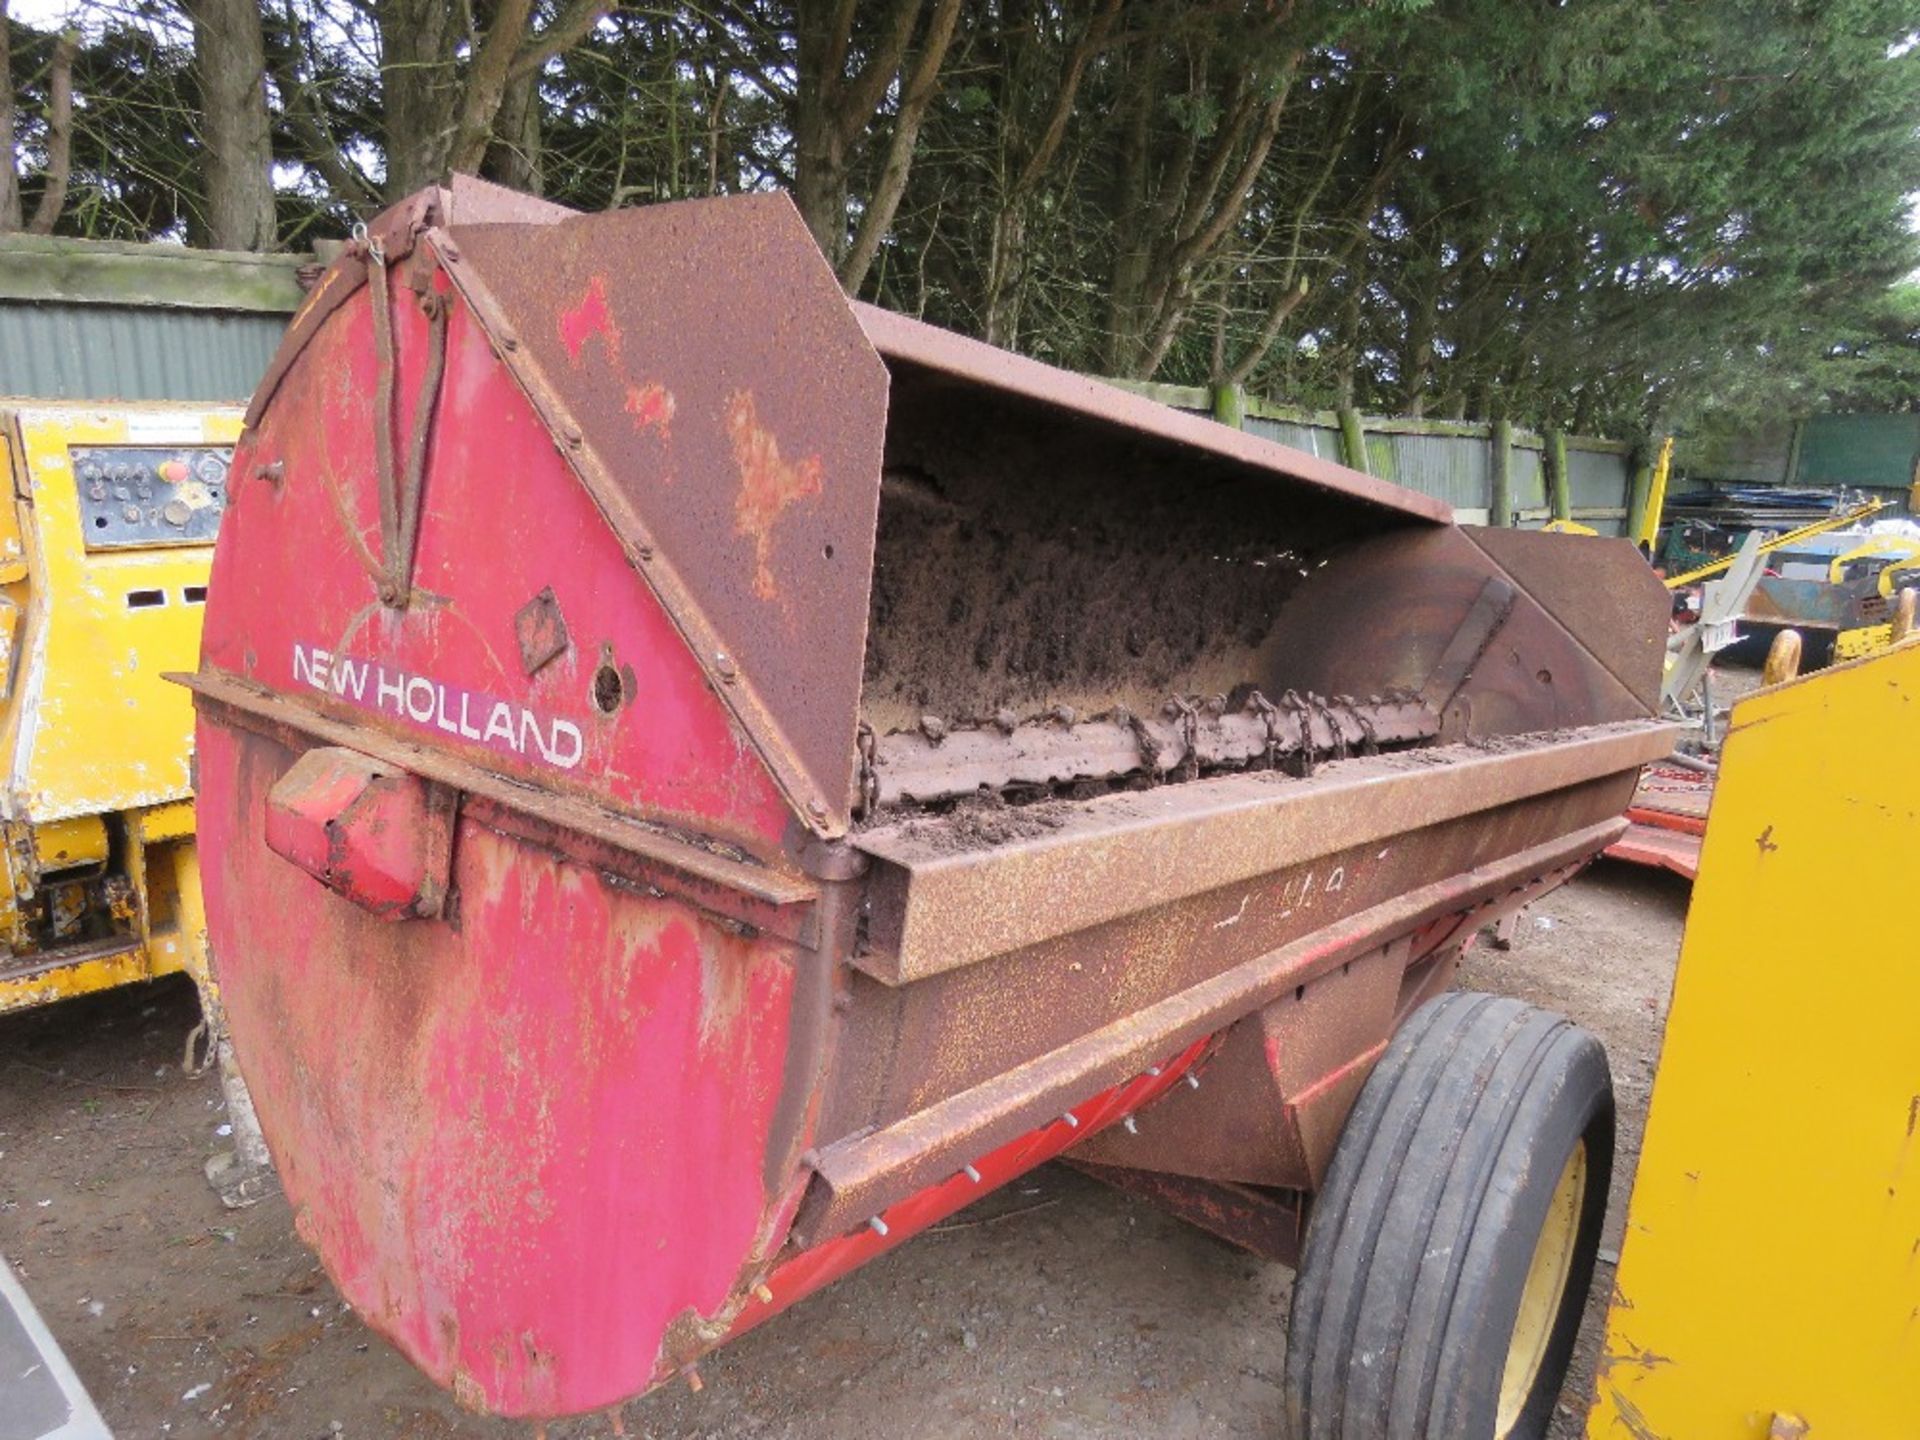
(651, 406)
(768, 484)
(590, 318)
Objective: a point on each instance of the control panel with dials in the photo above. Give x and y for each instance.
(150, 494)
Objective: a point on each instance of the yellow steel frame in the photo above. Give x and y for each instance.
(1649, 535)
(1770, 1278)
(1904, 550)
(88, 729)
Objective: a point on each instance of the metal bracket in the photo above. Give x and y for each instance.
(1484, 618)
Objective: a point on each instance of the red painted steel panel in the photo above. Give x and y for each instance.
(530, 1139)
(503, 519)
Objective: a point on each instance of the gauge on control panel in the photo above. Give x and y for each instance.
(151, 495)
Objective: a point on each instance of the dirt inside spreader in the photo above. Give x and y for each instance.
(1024, 565)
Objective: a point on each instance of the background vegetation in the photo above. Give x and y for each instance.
(1614, 216)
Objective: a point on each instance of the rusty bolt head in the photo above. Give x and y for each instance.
(509, 340)
(933, 727)
(571, 434)
(450, 252)
(723, 662)
(817, 809)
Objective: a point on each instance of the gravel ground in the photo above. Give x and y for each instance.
(1054, 1308)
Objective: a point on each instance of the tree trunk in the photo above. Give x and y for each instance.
(9, 176)
(513, 157)
(230, 63)
(486, 85)
(53, 195)
(832, 109)
(417, 40)
(917, 90)
(1029, 163)
(819, 143)
(1128, 217)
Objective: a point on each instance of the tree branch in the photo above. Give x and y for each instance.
(864, 92)
(1092, 40)
(915, 95)
(53, 198)
(492, 59)
(569, 28)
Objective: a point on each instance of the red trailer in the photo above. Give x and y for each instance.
(700, 779)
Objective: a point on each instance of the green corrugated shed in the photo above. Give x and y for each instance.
(1877, 452)
(101, 320)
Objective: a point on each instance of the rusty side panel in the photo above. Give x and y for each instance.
(1315, 1044)
(939, 1036)
(1385, 615)
(1281, 1080)
(920, 1129)
(700, 367)
(528, 1139)
(951, 891)
(1601, 593)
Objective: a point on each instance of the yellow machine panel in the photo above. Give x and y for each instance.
(104, 554)
(1769, 1283)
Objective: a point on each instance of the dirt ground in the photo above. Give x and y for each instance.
(1054, 1308)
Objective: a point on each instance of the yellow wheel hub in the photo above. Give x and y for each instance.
(1545, 1286)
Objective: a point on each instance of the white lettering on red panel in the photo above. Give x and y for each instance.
(436, 705)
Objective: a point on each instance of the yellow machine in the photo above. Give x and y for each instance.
(104, 553)
(1769, 1285)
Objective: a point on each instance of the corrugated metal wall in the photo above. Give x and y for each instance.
(1456, 469)
(1321, 440)
(1597, 480)
(125, 352)
(1527, 477)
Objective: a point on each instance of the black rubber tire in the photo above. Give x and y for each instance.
(1419, 1242)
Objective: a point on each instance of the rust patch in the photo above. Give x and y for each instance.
(768, 484)
(651, 406)
(588, 318)
(541, 631)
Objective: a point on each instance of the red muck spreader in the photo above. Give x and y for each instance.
(701, 779)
